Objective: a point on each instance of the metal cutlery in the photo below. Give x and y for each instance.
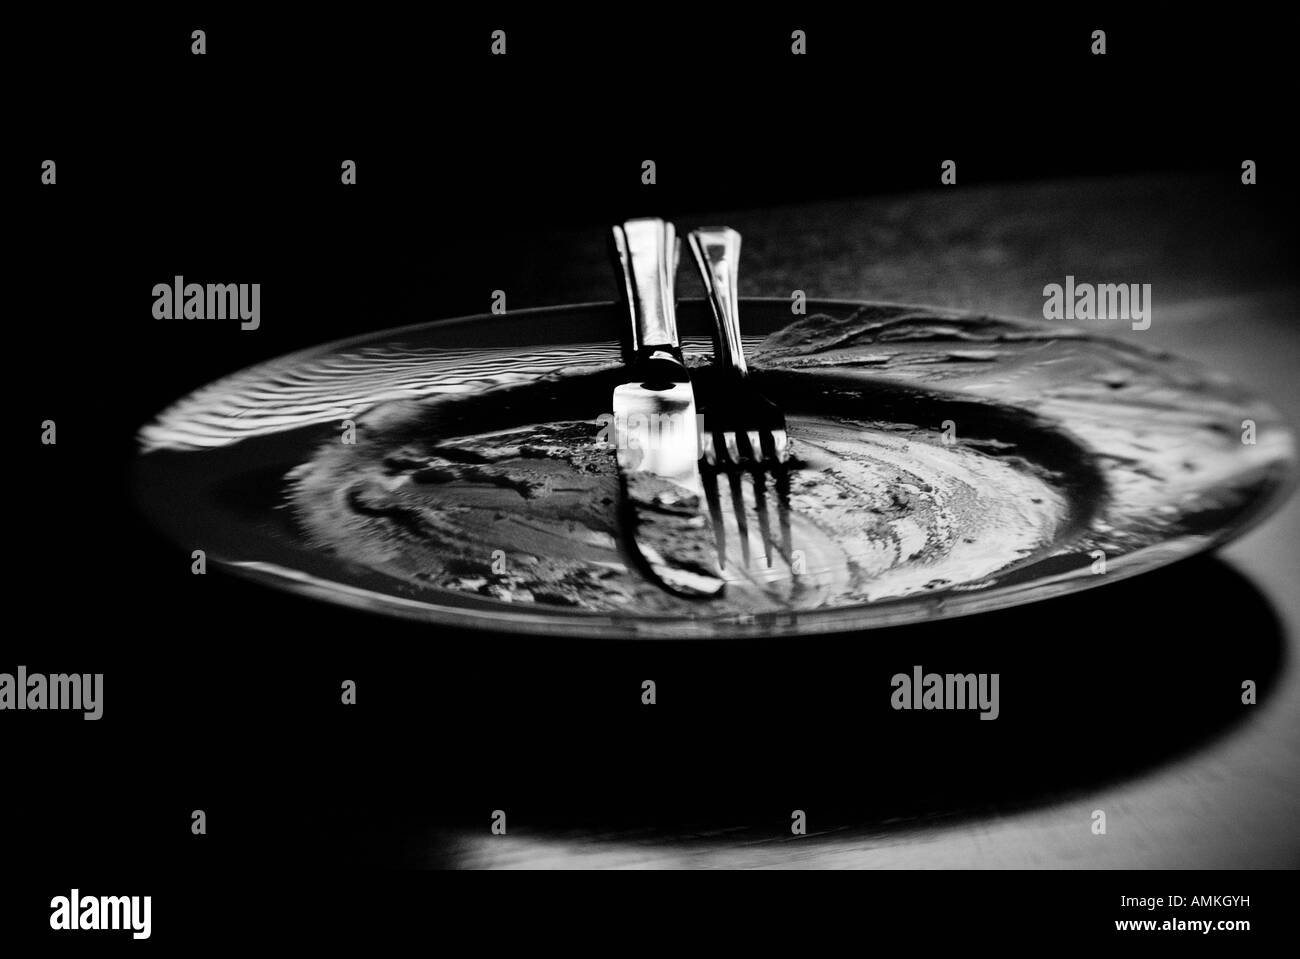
(744, 433)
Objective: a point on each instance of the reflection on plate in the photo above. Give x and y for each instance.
(943, 464)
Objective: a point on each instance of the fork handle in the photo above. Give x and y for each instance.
(717, 254)
(648, 251)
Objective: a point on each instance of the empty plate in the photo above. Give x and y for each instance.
(942, 464)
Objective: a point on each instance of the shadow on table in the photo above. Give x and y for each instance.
(1093, 688)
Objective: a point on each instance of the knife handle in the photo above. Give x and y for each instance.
(647, 252)
(717, 254)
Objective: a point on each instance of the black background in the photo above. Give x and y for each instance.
(224, 696)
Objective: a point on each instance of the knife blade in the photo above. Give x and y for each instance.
(655, 431)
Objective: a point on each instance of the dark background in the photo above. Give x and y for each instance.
(224, 696)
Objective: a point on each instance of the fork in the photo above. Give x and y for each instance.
(743, 427)
(744, 432)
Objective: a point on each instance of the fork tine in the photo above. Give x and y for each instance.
(760, 507)
(709, 479)
(707, 451)
(733, 448)
(755, 445)
(781, 444)
(738, 504)
(783, 514)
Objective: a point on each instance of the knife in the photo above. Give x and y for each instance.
(655, 431)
